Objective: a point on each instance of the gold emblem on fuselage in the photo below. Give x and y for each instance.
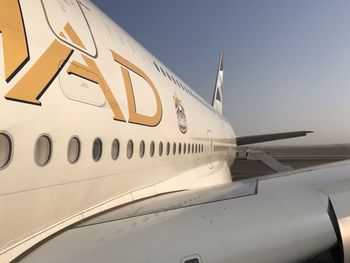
(181, 115)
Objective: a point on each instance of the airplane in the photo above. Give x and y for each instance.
(106, 155)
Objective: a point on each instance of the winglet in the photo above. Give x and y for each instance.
(217, 97)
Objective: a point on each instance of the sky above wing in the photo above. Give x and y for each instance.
(287, 63)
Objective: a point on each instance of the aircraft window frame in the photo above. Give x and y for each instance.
(160, 149)
(142, 149)
(6, 156)
(115, 149)
(130, 149)
(73, 149)
(42, 159)
(97, 149)
(152, 149)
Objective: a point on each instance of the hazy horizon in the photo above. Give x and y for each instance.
(286, 62)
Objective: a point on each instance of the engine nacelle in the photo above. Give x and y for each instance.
(339, 212)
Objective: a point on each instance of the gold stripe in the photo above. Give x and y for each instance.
(134, 116)
(16, 53)
(73, 36)
(38, 78)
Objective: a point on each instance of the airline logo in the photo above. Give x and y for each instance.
(36, 80)
(181, 115)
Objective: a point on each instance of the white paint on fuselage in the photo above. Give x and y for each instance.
(37, 201)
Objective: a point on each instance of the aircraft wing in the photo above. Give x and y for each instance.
(289, 217)
(244, 140)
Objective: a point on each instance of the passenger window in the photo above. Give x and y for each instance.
(6, 150)
(168, 148)
(68, 22)
(155, 64)
(192, 259)
(168, 76)
(184, 148)
(115, 149)
(97, 150)
(179, 148)
(189, 148)
(160, 148)
(130, 149)
(43, 150)
(152, 149)
(162, 71)
(142, 149)
(174, 148)
(73, 150)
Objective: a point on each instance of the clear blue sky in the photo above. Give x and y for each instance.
(287, 63)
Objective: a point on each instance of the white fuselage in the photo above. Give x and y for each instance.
(74, 83)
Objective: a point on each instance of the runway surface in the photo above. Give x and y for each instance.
(295, 157)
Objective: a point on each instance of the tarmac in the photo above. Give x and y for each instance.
(291, 157)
